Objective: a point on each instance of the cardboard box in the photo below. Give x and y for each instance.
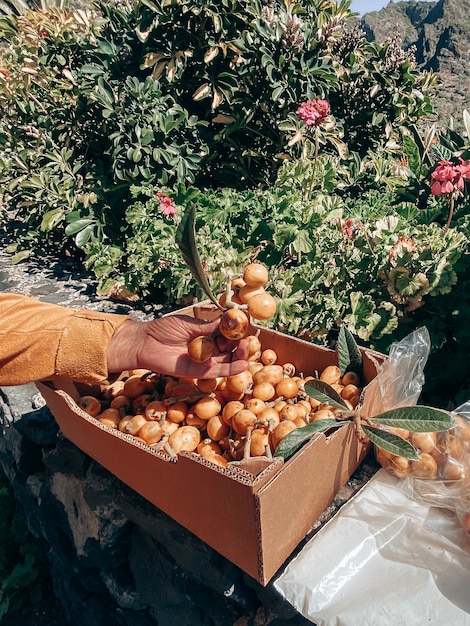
(254, 514)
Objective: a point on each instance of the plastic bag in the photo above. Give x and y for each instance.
(400, 378)
(450, 487)
(443, 455)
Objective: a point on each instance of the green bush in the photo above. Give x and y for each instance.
(125, 93)
(106, 109)
(80, 124)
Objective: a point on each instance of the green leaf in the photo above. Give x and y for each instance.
(417, 419)
(295, 439)
(51, 219)
(92, 70)
(349, 355)
(78, 225)
(391, 443)
(84, 235)
(277, 93)
(324, 393)
(21, 256)
(186, 240)
(106, 47)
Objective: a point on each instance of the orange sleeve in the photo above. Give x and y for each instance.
(39, 340)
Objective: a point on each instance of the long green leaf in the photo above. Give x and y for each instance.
(349, 354)
(295, 439)
(391, 443)
(186, 240)
(324, 393)
(78, 225)
(417, 419)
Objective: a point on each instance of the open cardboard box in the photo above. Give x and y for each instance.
(254, 513)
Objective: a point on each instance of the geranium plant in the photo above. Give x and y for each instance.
(448, 180)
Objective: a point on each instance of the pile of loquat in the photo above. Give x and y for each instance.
(442, 455)
(225, 419)
(443, 464)
(246, 298)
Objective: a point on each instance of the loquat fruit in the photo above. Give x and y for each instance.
(426, 442)
(184, 438)
(201, 348)
(255, 274)
(268, 356)
(233, 324)
(262, 306)
(331, 375)
(424, 467)
(90, 405)
(206, 408)
(351, 378)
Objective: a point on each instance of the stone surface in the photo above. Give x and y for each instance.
(116, 560)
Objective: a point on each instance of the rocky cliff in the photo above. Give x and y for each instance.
(440, 33)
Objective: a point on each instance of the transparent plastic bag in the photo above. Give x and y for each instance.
(450, 487)
(400, 377)
(383, 559)
(441, 475)
(442, 455)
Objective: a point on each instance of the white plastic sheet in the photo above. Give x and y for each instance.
(384, 559)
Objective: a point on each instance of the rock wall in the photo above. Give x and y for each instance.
(116, 559)
(440, 33)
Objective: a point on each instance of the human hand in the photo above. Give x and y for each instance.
(161, 345)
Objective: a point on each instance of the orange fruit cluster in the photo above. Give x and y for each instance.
(225, 419)
(442, 455)
(444, 461)
(249, 300)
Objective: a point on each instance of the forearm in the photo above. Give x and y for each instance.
(39, 340)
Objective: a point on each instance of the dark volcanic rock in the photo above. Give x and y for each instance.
(440, 32)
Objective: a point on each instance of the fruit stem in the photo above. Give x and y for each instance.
(267, 451)
(190, 397)
(169, 450)
(247, 446)
(161, 444)
(229, 304)
(345, 415)
(360, 434)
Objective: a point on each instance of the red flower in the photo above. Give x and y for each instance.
(463, 169)
(166, 205)
(448, 179)
(43, 33)
(313, 112)
(348, 228)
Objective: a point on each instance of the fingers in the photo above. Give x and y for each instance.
(172, 335)
(216, 369)
(222, 363)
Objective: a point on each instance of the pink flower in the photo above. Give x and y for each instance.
(448, 179)
(348, 228)
(43, 33)
(313, 112)
(463, 169)
(166, 205)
